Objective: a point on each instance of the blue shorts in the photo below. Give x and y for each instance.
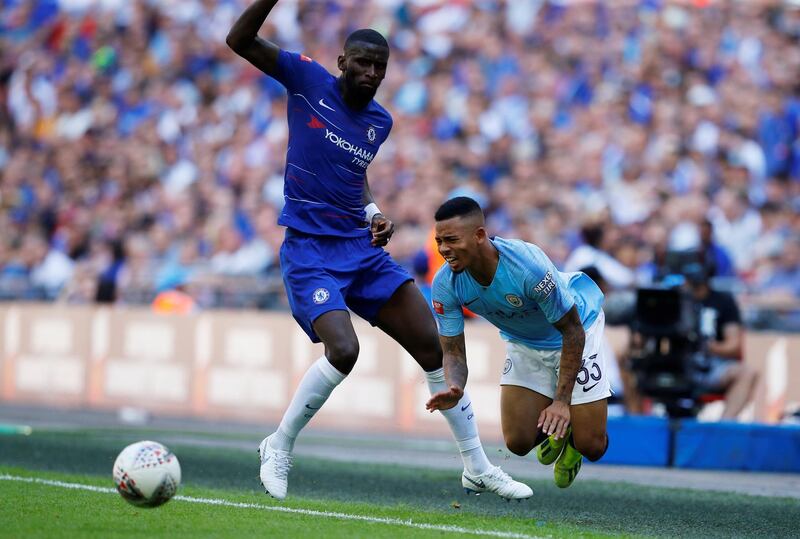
(325, 273)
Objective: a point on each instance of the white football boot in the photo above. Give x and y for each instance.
(275, 465)
(497, 481)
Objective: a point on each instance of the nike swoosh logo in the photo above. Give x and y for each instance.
(468, 303)
(585, 389)
(322, 104)
(310, 408)
(479, 484)
(465, 407)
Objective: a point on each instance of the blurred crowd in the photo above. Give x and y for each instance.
(138, 153)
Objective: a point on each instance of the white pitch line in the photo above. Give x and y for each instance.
(279, 509)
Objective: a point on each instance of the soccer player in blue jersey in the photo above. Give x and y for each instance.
(332, 256)
(554, 388)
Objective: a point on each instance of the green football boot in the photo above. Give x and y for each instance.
(550, 449)
(568, 465)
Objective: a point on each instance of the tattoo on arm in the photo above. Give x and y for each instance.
(573, 340)
(455, 360)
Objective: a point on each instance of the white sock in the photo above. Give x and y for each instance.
(461, 419)
(314, 389)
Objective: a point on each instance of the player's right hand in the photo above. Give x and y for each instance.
(555, 419)
(382, 230)
(444, 400)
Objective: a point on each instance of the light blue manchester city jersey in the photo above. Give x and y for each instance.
(527, 295)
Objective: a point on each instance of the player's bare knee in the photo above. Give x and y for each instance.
(429, 360)
(519, 444)
(592, 447)
(343, 355)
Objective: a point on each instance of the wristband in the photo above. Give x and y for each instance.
(371, 210)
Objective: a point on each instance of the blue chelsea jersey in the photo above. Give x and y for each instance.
(527, 295)
(330, 148)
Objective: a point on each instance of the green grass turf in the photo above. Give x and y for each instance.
(33, 510)
(587, 509)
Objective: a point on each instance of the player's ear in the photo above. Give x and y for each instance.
(341, 63)
(480, 234)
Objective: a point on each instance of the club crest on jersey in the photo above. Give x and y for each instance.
(513, 300)
(321, 295)
(371, 134)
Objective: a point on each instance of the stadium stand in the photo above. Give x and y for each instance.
(134, 147)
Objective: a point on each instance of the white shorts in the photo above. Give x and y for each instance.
(537, 370)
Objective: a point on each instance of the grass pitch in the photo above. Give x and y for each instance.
(54, 471)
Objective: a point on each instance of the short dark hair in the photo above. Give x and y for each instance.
(457, 207)
(365, 35)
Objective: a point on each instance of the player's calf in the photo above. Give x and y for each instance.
(521, 443)
(592, 446)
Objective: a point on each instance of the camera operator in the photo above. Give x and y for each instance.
(722, 332)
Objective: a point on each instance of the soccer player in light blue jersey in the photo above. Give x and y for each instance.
(554, 388)
(332, 257)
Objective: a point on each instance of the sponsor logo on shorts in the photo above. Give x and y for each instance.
(321, 295)
(546, 285)
(591, 387)
(513, 300)
(507, 366)
(438, 307)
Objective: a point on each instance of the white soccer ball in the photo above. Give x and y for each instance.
(147, 474)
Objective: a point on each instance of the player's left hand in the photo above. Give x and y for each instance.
(555, 419)
(382, 230)
(444, 400)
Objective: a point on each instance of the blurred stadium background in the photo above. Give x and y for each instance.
(141, 170)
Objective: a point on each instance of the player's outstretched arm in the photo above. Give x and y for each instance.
(455, 373)
(243, 37)
(555, 418)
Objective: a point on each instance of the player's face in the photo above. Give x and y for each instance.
(457, 240)
(364, 67)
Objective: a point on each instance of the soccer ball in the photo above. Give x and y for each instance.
(147, 474)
